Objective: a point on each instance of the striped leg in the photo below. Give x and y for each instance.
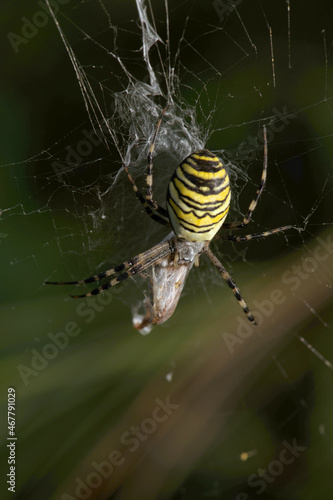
(126, 269)
(255, 236)
(230, 282)
(254, 202)
(143, 201)
(148, 203)
(97, 277)
(149, 179)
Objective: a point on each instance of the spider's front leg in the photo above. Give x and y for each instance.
(133, 266)
(231, 284)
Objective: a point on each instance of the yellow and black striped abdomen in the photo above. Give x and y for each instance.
(198, 197)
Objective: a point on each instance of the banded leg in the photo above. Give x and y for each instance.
(254, 202)
(143, 201)
(97, 277)
(148, 203)
(149, 178)
(230, 282)
(126, 269)
(254, 236)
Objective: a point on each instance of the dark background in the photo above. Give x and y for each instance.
(269, 391)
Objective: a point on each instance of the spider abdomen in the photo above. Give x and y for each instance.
(198, 197)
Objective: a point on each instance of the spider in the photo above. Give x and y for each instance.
(198, 200)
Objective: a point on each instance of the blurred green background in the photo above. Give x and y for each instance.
(239, 404)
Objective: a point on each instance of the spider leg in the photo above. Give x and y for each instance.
(230, 282)
(129, 268)
(149, 178)
(254, 202)
(161, 212)
(97, 277)
(148, 203)
(254, 236)
(104, 287)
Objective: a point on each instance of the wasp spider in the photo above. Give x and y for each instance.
(198, 200)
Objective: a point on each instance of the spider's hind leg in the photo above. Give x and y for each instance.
(254, 202)
(147, 201)
(254, 236)
(161, 214)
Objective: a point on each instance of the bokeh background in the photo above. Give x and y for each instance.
(239, 395)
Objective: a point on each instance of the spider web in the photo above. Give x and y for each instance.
(226, 69)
